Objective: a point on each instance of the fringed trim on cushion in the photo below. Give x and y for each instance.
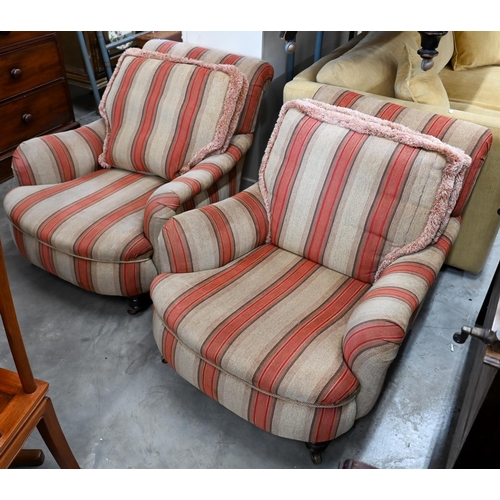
(457, 163)
(233, 103)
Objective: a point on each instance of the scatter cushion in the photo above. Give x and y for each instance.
(392, 194)
(414, 84)
(165, 113)
(474, 49)
(377, 55)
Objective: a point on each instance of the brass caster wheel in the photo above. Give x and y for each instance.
(316, 458)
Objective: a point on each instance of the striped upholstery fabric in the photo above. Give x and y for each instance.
(268, 319)
(60, 157)
(99, 228)
(164, 114)
(259, 74)
(473, 139)
(88, 231)
(352, 192)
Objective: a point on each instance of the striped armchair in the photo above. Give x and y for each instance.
(176, 123)
(288, 302)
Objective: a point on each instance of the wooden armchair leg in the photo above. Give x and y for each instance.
(54, 438)
(28, 458)
(139, 303)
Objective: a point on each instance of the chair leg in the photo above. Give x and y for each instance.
(316, 449)
(28, 458)
(54, 438)
(139, 303)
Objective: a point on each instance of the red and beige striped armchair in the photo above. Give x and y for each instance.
(176, 123)
(288, 302)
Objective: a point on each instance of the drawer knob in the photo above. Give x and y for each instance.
(16, 73)
(27, 118)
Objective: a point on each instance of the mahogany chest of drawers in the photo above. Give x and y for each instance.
(34, 93)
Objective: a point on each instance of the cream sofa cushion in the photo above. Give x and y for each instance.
(478, 86)
(474, 49)
(414, 84)
(372, 65)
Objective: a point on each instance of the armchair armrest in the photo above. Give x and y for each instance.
(56, 158)
(168, 200)
(381, 319)
(214, 235)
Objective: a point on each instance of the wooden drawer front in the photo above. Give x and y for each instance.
(25, 69)
(12, 37)
(34, 114)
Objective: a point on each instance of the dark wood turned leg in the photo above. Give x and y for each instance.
(139, 303)
(316, 449)
(28, 458)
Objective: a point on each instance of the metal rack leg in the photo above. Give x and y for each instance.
(88, 67)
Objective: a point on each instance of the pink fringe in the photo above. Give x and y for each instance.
(457, 163)
(233, 103)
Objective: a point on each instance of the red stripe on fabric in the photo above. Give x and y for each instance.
(149, 115)
(19, 240)
(130, 279)
(186, 122)
(194, 297)
(157, 203)
(46, 229)
(94, 141)
(382, 211)
(232, 59)
(85, 243)
(368, 335)
(325, 424)
(216, 345)
(444, 244)
(347, 99)
(438, 125)
(414, 268)
(166, 46)
(137, 247)
(394, 293)
(288, 173)
(62, 157)
(478, 156)
(223, 233)
(30, 201)
(169, 345)
(278, 362)
(341, 386)
(208, 377)
(177, 247)
(331, 194)
(83, 274)
(261, 408)
(22, 169)
(197, 53)
(117, 111)
(258, 213)
(46, 254)
(390, 111)
(261, 77)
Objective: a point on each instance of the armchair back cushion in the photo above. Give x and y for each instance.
(353, 192)
(164, 114)
(259, 74)
(474, 49)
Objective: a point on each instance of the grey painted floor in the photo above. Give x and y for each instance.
(121, 407)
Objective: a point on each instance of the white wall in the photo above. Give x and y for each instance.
(245, 43)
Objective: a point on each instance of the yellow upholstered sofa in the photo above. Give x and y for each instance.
(464, 83)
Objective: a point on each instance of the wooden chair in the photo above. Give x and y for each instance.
(24, 404)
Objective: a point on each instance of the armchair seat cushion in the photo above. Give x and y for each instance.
(220, 316)
(476, 86)
(97, 218)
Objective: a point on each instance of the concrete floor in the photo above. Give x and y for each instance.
(121, 407)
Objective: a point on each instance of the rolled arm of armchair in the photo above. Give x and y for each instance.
(214, 235)
(382, 318)
(168, 200)
(60, 157)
